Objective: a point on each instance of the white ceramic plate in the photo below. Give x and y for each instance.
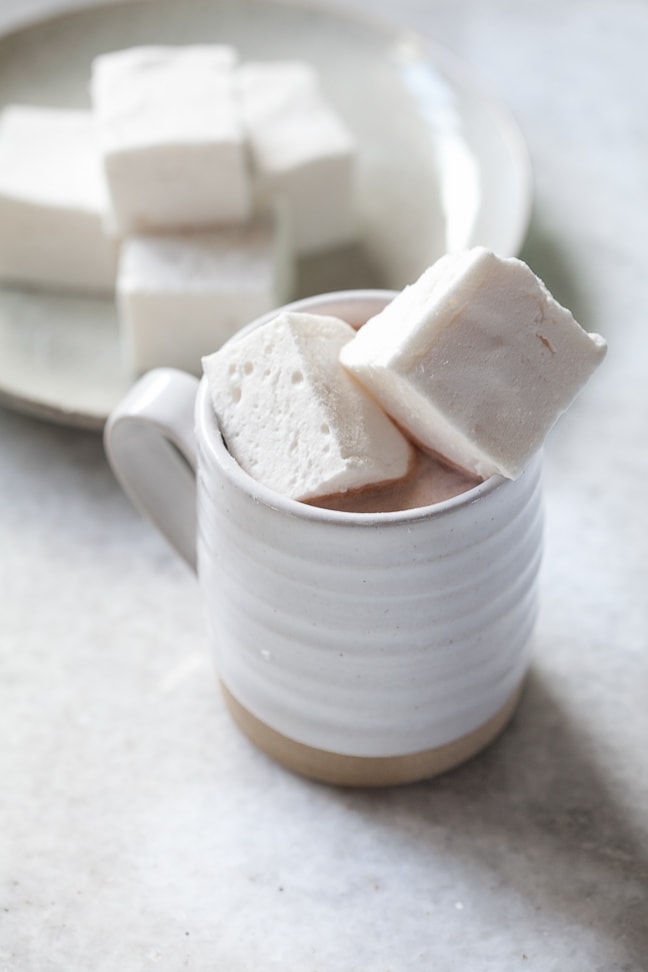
(441, 166)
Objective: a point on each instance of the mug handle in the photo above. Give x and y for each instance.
(150, 444)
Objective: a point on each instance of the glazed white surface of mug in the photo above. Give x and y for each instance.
(357, 648)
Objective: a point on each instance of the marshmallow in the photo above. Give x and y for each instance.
(293, 418)
(52, 201)
(302, 153)
(181, 296)
(475, 361)
(171, 137)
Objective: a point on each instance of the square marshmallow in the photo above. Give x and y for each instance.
(475, 361)
(302, 153)
(52, 201)
(171, 137)
(293, 418)
(181, 296)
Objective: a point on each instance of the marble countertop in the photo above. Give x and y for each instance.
(139, 830)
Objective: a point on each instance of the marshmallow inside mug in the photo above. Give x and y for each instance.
(358, 649)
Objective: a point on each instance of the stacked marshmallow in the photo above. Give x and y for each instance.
(52, 202)
(171, 138)
(189, 189)
(474, 363)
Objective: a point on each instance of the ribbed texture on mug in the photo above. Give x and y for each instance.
(371, 635)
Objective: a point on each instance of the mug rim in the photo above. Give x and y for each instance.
(211, 439)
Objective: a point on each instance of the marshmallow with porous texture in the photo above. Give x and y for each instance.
(475, 361)
(171, 137)
(52, 201)
(303, 155)
(180, 296)
(293, 418)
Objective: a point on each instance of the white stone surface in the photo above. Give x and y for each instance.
(476, 361)
(303, 155)
(51, 215)
(171, 138)
(294, 419)
(139, 831)
(181, 296)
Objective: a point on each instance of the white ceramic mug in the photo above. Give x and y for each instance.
(358, 649)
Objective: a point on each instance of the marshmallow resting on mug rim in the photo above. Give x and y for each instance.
(293, 418)
(475, 361)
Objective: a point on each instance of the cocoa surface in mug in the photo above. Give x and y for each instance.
(429, 481)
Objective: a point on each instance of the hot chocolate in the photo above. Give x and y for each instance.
(429, 481)
(332, 632)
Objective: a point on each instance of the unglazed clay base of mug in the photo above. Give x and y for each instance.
(363, 771)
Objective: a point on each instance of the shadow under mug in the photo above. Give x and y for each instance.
(357, 649)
